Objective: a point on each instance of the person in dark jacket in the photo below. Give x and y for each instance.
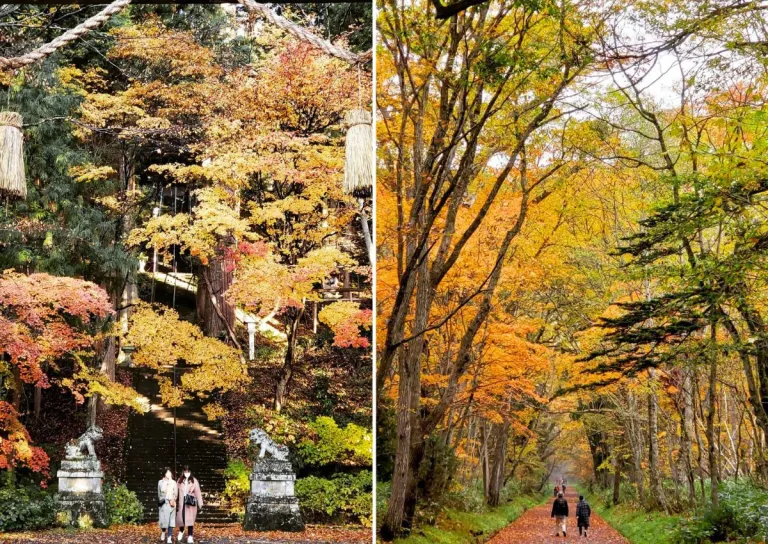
(560, 514)
(583, 511)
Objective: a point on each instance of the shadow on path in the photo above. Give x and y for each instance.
(537, 527)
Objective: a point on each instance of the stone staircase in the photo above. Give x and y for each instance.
(199, 444)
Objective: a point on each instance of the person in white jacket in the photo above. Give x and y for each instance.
(167, 491)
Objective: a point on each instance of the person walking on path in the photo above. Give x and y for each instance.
(560, 514)
(583, 511)
(557, 490)
(190, 501)
(167, 491)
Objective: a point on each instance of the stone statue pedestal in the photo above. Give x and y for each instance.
(272, 505)
(80, 501)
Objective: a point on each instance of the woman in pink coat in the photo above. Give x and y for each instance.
(189, 503)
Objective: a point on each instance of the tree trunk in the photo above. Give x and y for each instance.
(129, 292)
(367, 234)
(402, 498)
(686, 430)
(657, 491)
(636, 440)
(18, 388)
(286, 372)
(38, 400)
(616, 480)
(498, 462)
(219, 275)
(93, 404)
(711, 438)
(697, 412)
(484, 458)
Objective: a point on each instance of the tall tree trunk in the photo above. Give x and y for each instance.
(498, 462)
(18, 388)
(409, 434)
(286, 372)
(213, 281)
(697, 413)
(598, 447)
(686, 431)
(38, 401)
(657, 491)
(636, 441)
(93, 404)
(128, 293)
(616, 479)
(484, 458)
(711, 438)
(367, 234)
(418, 443)
(396, 505)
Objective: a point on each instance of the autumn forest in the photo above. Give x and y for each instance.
(571, 277)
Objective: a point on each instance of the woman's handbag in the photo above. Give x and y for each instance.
(190, 500)
(160, 503)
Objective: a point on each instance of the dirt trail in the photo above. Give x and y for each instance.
(536, 527)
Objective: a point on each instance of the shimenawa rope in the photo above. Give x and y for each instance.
(70, 35)
(304, 34)
(100, 18)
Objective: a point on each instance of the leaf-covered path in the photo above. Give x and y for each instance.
(536, 527)
(228, 534)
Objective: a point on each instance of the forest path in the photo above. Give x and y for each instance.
(537, 527)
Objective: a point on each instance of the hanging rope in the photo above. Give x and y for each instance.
(100, 18)
(306, 35)
(70, 35)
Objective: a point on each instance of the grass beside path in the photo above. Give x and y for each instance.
(641, 527)
(454, 527)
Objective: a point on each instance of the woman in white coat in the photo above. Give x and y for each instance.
(167, 492)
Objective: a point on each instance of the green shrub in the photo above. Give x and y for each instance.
(740, 514)
(25, 509)
(343, 497)
(627, 495)
(237, 486)
(123, 507)
(747, 505)
(332, 444)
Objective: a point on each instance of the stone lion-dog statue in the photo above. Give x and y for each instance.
(258, 436)
(85, 444)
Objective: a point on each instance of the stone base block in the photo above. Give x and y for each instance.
(81, 510)
(272, 514)
(80, 476)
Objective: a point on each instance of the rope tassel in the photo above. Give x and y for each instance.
(13, 181)
(358, 169)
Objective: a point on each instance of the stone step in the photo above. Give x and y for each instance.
(212, 489)
(152, 468)
(196, 442)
